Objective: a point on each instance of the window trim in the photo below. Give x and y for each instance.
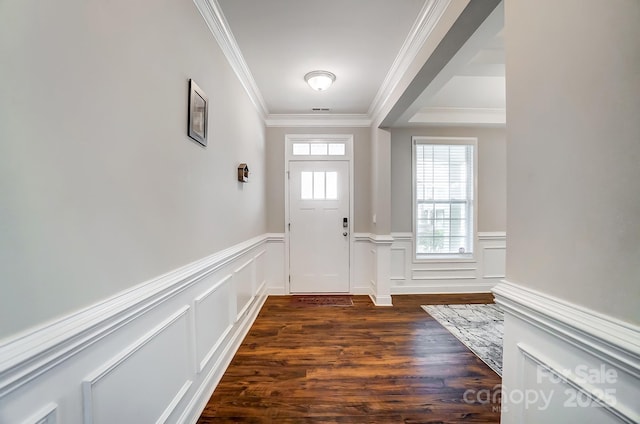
(453, 257)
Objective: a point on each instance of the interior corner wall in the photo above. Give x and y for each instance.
(573, 99)
(492, 178)
(381, 181)
(276, 168)
(101, 188)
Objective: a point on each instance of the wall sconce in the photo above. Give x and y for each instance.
(243, 173)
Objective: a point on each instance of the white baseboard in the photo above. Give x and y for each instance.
(172, 336)
(587, 363)
(381, 300)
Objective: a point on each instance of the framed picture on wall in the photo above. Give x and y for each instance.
(198, 106)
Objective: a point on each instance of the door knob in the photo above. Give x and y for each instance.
(345, 234)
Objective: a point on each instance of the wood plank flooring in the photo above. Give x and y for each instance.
(357, 364)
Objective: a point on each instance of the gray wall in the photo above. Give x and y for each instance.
(100, 187)
(491, 174)
(573, 108)
(276, 167)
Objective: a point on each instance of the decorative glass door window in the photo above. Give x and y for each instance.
(319, 185)
(319, 149)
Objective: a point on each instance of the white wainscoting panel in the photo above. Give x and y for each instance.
(243, 281)
(493, 261)
(275, 267)
(493, 255)
(47, 415)
(214, 318)
(153, 353)
(447, 276)
(162, 356)
(380, 247)
(574, 364)
(362, 264)
(399, 263)
(260, 270)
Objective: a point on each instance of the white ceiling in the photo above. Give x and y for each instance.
(470, 89)
(361, 42)
(357, 40)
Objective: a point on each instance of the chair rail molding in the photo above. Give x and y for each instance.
(197, 314)
(586, 363)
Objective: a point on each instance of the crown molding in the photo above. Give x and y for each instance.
(460, 116)
(318, 120)
(219, 27)
(428, 18)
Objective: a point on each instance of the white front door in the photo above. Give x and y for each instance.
(319, 226)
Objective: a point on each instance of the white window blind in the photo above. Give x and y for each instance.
(444, 184)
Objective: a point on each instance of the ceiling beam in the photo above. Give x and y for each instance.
(465, 25)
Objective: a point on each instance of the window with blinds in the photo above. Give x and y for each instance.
(444, 197)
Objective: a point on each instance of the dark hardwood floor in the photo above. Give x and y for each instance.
(358, 364)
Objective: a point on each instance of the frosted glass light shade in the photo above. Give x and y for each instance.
(319, 80)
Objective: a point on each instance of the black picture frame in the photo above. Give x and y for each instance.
(198, 127)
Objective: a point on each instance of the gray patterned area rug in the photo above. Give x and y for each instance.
(480, 327)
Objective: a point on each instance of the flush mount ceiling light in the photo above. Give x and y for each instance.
(319, 80)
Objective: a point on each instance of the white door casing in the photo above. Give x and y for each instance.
(319, 230)
(324, 150)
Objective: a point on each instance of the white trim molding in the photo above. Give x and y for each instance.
(91, 386)
(477, 275)
(492, 235)
(47, 415)
(332, 120)
(422, 28)
(426, 21)
(495, 117)
(611, 340)
(162, 324)
(585, 362)
(289, 157)
(587, 390)
(219, 27)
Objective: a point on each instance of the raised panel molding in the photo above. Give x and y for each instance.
(588, 391)
(611, 340)
(493, 260)
(243, 281)
(275, 268)
(398, 263)
(47, 415)
(362, 263)
(213, 320)
(201, 396)
(437, 273)
(139, 367)
(158, 333)
(447, 276)
(547, 336)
